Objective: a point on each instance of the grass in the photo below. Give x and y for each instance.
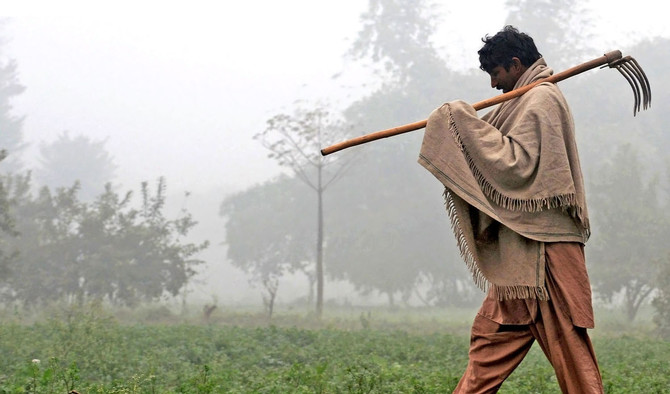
(350, 350)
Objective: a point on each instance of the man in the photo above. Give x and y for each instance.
(515, 195)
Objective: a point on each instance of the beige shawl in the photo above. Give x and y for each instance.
(512, 182)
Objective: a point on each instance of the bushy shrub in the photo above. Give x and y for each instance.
(661, 301)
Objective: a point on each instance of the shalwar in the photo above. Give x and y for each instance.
(503, 331)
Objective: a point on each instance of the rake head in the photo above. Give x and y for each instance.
(631, 70)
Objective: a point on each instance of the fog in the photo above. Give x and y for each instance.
(178, 89)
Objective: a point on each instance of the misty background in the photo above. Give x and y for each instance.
(179, 91)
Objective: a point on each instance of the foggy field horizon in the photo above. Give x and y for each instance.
(179, 93)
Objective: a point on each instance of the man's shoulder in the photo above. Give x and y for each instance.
(546, 92)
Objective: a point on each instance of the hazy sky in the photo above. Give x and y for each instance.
(179, 88)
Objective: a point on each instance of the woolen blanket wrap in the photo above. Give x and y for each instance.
(512, 182)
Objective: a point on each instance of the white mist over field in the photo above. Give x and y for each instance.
(178, 89)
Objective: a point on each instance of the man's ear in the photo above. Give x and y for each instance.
(517, 67)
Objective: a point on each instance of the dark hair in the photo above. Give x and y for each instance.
(506, 44)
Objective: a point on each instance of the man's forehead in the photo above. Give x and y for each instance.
(496, 70)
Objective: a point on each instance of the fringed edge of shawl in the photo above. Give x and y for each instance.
(500, 292)
(520, 292)
(567, 202)
(470, 261)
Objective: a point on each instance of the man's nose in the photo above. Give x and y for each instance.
(494, 82)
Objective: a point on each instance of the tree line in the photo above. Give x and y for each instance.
(384, 226)
(67, 234)
(369, 215)
(56, 247)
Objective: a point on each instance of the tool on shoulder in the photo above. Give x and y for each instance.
(627, 66)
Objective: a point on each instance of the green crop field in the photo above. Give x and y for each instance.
(360, 352)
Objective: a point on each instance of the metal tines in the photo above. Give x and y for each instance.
(631, 70)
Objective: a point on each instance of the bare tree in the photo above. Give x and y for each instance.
(295, 142)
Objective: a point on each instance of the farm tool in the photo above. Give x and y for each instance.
(627, 66)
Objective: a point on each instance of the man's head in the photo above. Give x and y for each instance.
(506, 56)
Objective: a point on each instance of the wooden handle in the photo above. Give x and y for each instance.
(603, 60)
(374, 136)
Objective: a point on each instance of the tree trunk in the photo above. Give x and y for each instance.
(269, 301)
(635, 295)
(311, 278)
(319, 247)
